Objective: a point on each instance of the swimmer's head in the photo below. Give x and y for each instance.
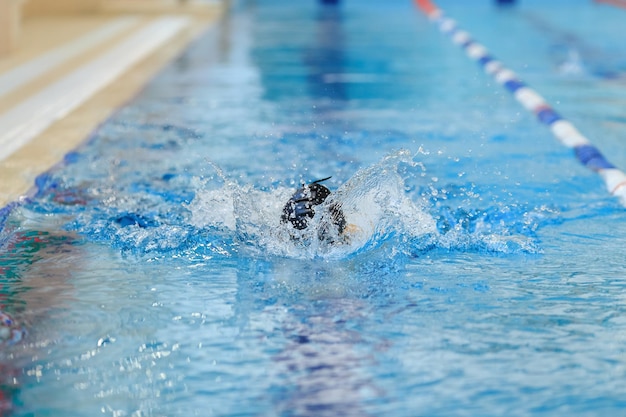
(299, 208)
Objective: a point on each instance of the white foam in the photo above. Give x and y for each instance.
(373, 201)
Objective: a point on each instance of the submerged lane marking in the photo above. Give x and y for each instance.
(28, 119)
(586, 153)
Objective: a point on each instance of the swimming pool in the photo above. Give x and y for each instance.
(154, 277)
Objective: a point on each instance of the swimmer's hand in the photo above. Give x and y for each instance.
(350, 231)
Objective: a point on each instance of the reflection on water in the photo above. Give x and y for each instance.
(152, 285)
(35, 271)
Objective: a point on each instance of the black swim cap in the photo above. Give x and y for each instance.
(299, 208)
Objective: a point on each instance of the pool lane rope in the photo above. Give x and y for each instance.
(586, 153)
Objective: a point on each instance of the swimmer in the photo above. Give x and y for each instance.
(299, 209)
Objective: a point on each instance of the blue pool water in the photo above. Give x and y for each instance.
(486, 276)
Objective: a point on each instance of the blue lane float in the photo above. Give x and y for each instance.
(586, 153)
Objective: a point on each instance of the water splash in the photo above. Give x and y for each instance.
(374, 203)
(572, 65)
(392, 210)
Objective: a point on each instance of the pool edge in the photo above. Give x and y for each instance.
(47, 149)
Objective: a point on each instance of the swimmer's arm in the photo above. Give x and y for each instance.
(350, 231)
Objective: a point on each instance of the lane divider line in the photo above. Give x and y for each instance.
(32, 116)
(23, 74)
(586, 153)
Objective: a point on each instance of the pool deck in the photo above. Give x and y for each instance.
(71, 73)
